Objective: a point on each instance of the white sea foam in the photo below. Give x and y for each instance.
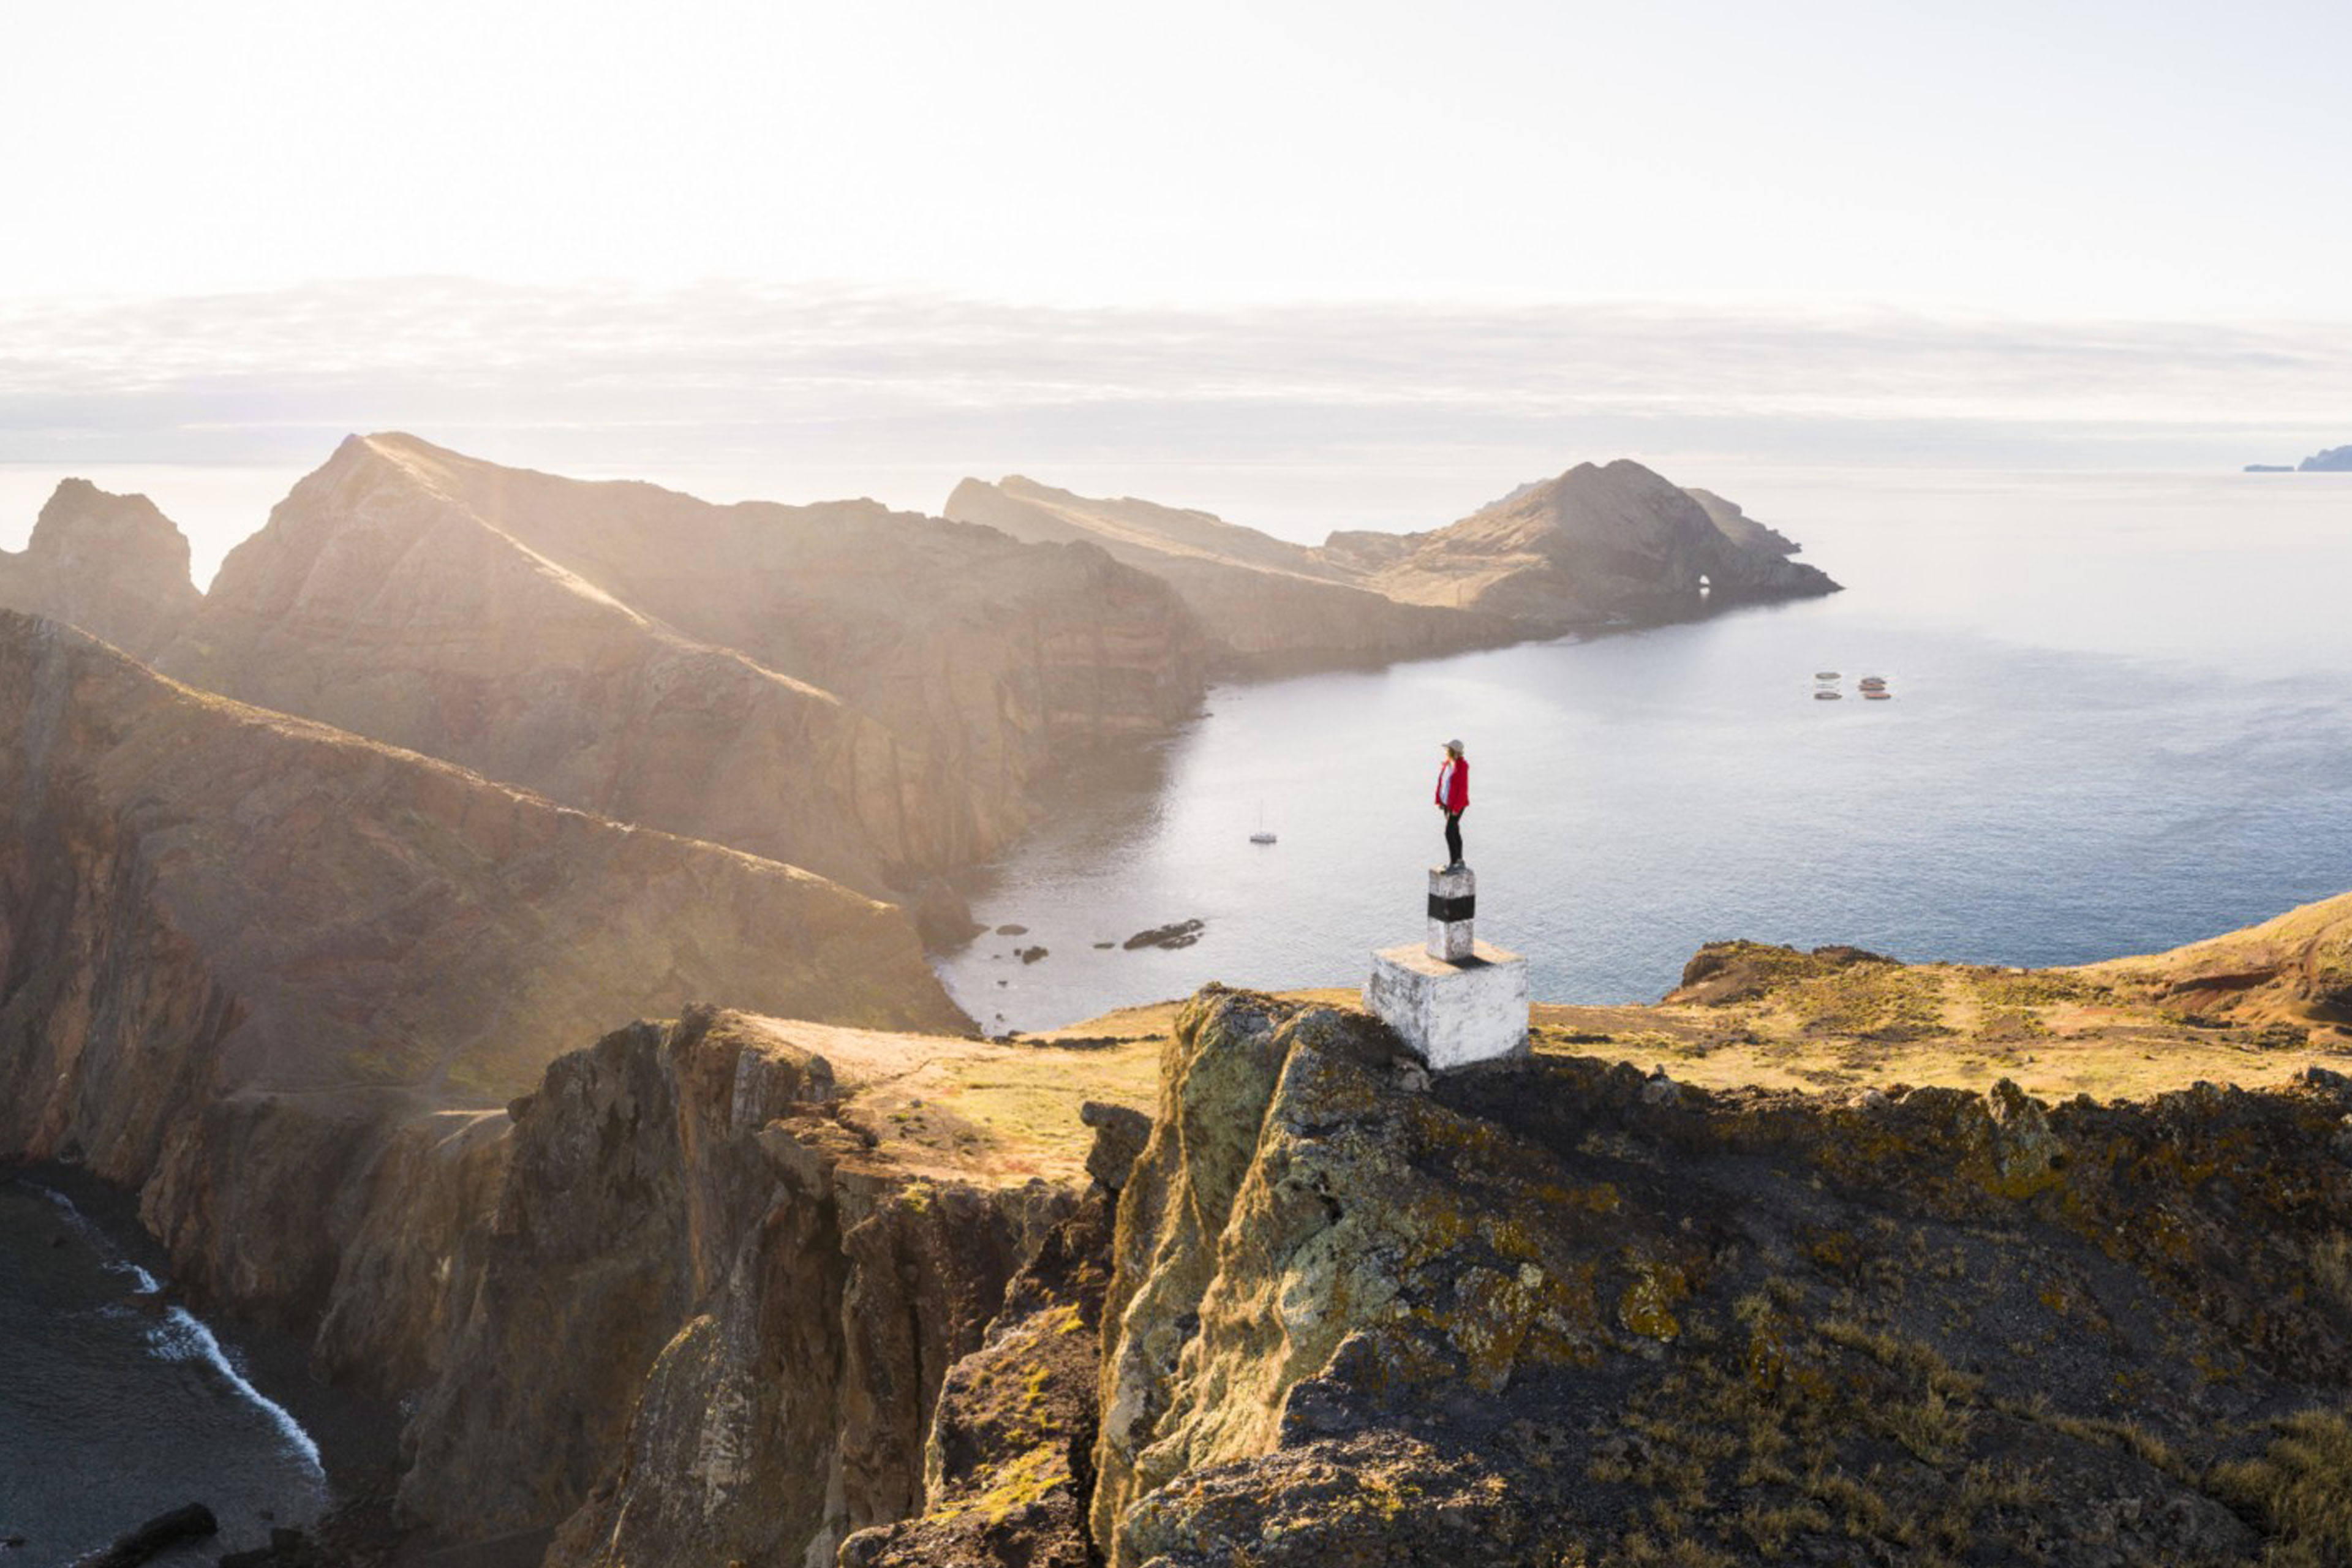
(181, 1336)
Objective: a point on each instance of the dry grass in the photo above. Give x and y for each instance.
(2301, 1489)
(976, 1110)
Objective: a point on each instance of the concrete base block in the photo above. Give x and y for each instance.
(1452, 1014)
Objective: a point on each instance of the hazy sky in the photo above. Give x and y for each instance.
(854, 246)
(2147, 158)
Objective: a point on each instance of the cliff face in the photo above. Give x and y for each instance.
(114, 566)
(213, 923)
(777, 1239)
(834, 687)
(1578, 1314)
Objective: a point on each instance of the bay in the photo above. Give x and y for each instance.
(2121, 720)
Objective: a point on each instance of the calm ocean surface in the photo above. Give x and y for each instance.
(111, 1413)
(2122, 721)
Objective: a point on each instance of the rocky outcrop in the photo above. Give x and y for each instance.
(218, 926)
(1599, 541)
(2334, 460)
(113, 565)
(1563, 1315)
(1010, 1462)
(867, 695)
(777, 1272)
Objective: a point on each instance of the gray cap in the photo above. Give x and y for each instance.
(1453, 745)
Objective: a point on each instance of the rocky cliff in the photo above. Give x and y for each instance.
(702, 1287)
(245, 959)
(2335, 459)
(1583, 1314)
(868, 695)
(114, 566)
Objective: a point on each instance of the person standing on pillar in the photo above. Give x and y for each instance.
(1453, 799)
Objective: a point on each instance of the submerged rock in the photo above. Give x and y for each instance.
(1182, 933)
(163, 1534)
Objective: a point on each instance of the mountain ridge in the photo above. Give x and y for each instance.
(1591, 547)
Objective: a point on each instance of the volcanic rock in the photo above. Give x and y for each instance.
(1560, 1318)
(157, 1536)
(1181, 933)
(779, 1238)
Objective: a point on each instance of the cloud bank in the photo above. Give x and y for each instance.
(1301, 416)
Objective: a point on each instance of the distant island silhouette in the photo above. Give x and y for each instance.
(2334, 460)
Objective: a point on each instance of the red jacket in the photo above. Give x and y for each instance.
(1453, 794)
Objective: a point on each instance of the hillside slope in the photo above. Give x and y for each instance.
(867, 695)
(237, 950)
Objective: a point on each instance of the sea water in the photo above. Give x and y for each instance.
(114, 1409)
(2121, 720)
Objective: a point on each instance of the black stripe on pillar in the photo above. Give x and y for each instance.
(1451, 909)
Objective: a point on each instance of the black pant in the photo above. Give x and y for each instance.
(1453, 837)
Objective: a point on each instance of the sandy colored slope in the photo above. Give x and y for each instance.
(378, 603)
(1130, 528)
(369, 916)
(979, 647)
(987, 1112)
